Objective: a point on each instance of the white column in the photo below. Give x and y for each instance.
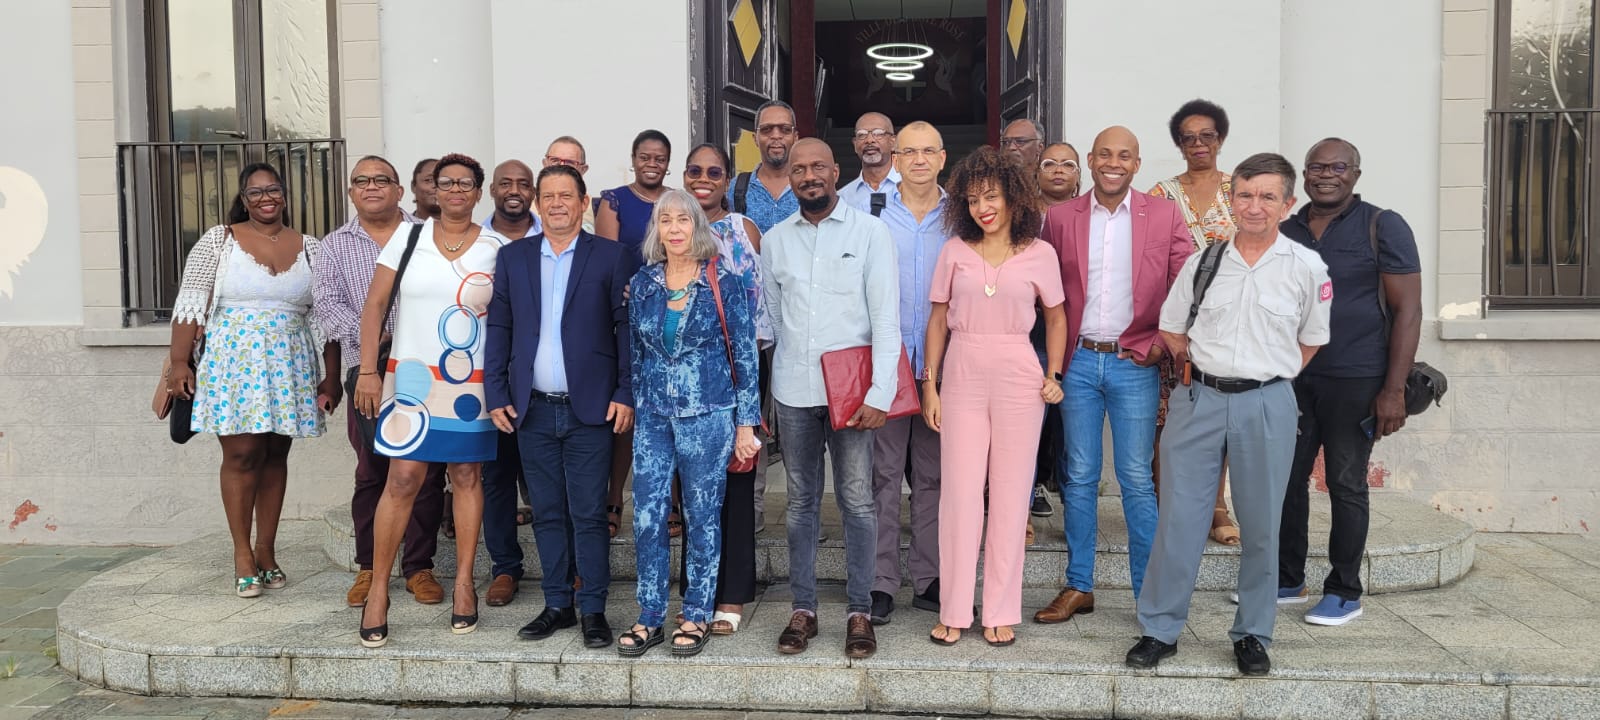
(438, 82)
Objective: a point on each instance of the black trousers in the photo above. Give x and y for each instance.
(736, 576)
(1331, 412)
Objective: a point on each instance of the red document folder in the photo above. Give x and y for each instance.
(847, 375)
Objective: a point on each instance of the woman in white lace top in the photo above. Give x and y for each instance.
(244, 314)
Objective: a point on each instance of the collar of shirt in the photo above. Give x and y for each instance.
(546, 250)
(657, 273)
(534, 228)
(839, 206)
(1281, 245)
(1124, 207)
(892, 180)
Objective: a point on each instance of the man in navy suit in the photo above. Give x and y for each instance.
(558, 375)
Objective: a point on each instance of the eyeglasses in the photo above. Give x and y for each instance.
(365, 181)
(553, 160)
(927, 152)
(693, 172)
(456, 184)
(775, 129)
(875, 134)
(1204, 138)
(1017, 142)
(255, 194)
(1337, 168)
(1051, 166)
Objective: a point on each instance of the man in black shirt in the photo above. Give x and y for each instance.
(1353, 391)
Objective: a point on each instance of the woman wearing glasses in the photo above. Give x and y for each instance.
(427, 396)
(1204, 194)
(738, 241)
(247, 286)
(1058, 174)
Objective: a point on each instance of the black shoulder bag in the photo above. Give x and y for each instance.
(1425, 384)
(368, 427)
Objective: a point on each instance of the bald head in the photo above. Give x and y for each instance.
(512, 190)
(812, 145)
(814, 176)
(1112, 164)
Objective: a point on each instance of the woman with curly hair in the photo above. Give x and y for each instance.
(987, 281)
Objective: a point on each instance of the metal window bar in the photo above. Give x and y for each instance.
(1543, 167)
(169, 193)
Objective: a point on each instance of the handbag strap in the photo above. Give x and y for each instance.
(722, 317)
(1383, 302)
(400, 272)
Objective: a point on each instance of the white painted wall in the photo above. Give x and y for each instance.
(40, 256)
(557, 72)
(1135, 62)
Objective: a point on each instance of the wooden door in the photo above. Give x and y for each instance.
(1025, 59)
(736, 70)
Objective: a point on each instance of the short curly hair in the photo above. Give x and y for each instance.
(1019, 185)
(463, 161)
(1203, 108)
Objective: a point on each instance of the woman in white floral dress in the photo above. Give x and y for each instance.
(257, 383)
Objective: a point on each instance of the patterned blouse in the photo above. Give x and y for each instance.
(1216, 225)
(741, 259)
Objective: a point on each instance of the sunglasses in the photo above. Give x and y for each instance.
(695, 172)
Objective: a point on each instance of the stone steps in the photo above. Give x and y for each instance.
(1410, 547)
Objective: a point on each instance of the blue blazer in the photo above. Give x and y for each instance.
(594, 327)
(692, 378)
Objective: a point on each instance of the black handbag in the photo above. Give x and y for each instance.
(368, 427)
(1425, 384)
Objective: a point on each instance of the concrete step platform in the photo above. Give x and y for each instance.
(1505, 642)
(1410, 547)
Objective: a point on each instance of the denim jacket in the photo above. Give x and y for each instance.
(692, 378)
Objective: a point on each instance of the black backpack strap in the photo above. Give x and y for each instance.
(400, 272)
(1204, 275)
(741, 188)
(879, 201)
(1372, 237)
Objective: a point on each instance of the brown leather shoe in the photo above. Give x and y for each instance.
(357, 597)
(802, 627)
(859, 639)
(425, 588)
(1068, 603)
(501, 591)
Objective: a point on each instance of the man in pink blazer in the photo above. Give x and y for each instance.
(1120, 250)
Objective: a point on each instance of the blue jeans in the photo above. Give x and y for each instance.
(1097, 385)
(500, 478)
(807, 437)
(567, 465)
(698, 448)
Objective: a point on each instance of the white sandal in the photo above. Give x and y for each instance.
(725, 623)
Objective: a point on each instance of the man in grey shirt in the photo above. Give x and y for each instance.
(829, 274)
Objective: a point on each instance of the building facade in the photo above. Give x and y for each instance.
(121, 133)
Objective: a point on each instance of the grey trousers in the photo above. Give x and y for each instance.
(1255, 430)
(906, 448)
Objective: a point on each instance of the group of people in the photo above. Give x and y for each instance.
(564, 342)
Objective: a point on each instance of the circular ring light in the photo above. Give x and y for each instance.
(918, 51)
(899, 76)
(900, 65)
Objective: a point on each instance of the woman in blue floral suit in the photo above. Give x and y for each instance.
(692, 412)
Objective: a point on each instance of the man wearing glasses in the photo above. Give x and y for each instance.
(342, 274)
(566, 150)
(764, 196)
(1024, 140)
(874, 144)
(906, 447)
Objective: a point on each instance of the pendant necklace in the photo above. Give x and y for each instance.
(273, 237)
(988, 288)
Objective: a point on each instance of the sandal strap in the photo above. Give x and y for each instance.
(699, 631)
(640, 637)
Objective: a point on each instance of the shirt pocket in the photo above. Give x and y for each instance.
(1279, 314)
(842, 275)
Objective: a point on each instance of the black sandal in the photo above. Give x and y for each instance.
(524, 516)
(463, 624)
(375, 637)
(946, 641)
(997, 642)
(700, 634)
(614, 518)
(641, 641)
(675, 522)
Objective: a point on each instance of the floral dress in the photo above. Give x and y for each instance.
(1216, 225)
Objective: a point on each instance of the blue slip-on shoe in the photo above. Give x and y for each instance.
(1334, 610)
(1286, 595)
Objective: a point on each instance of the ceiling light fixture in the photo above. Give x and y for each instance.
(899, 76)
(900, 65)
(918, 51)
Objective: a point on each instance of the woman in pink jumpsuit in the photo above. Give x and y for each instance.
(992, 398)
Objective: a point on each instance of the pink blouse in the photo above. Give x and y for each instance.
(961, 275)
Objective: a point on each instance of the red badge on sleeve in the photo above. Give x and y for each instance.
(1326, 293)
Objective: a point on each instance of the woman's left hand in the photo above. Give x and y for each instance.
(328, 394)
(1051, 392)
(745, 445)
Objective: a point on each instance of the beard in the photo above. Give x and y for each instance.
(776, 163)
(816, 204)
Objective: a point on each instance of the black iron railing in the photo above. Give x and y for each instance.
(1543, 226)
(169, 193)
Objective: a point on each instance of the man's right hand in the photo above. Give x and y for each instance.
(502, 417)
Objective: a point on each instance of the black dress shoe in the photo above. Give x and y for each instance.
(1251, 656)
(596, 631)
(882, 607)
(549, 621)
(928, 599)
(1149, 652)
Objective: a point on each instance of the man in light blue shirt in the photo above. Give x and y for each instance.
(874, 143)
(765, 196)
(829, 277)
(914, 213)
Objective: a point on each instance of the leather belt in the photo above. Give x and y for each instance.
(553, 398)
(1101, 347)
(1231, 385)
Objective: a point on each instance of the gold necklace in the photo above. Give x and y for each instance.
(991, 289)
(273, 237)
(453, 248)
